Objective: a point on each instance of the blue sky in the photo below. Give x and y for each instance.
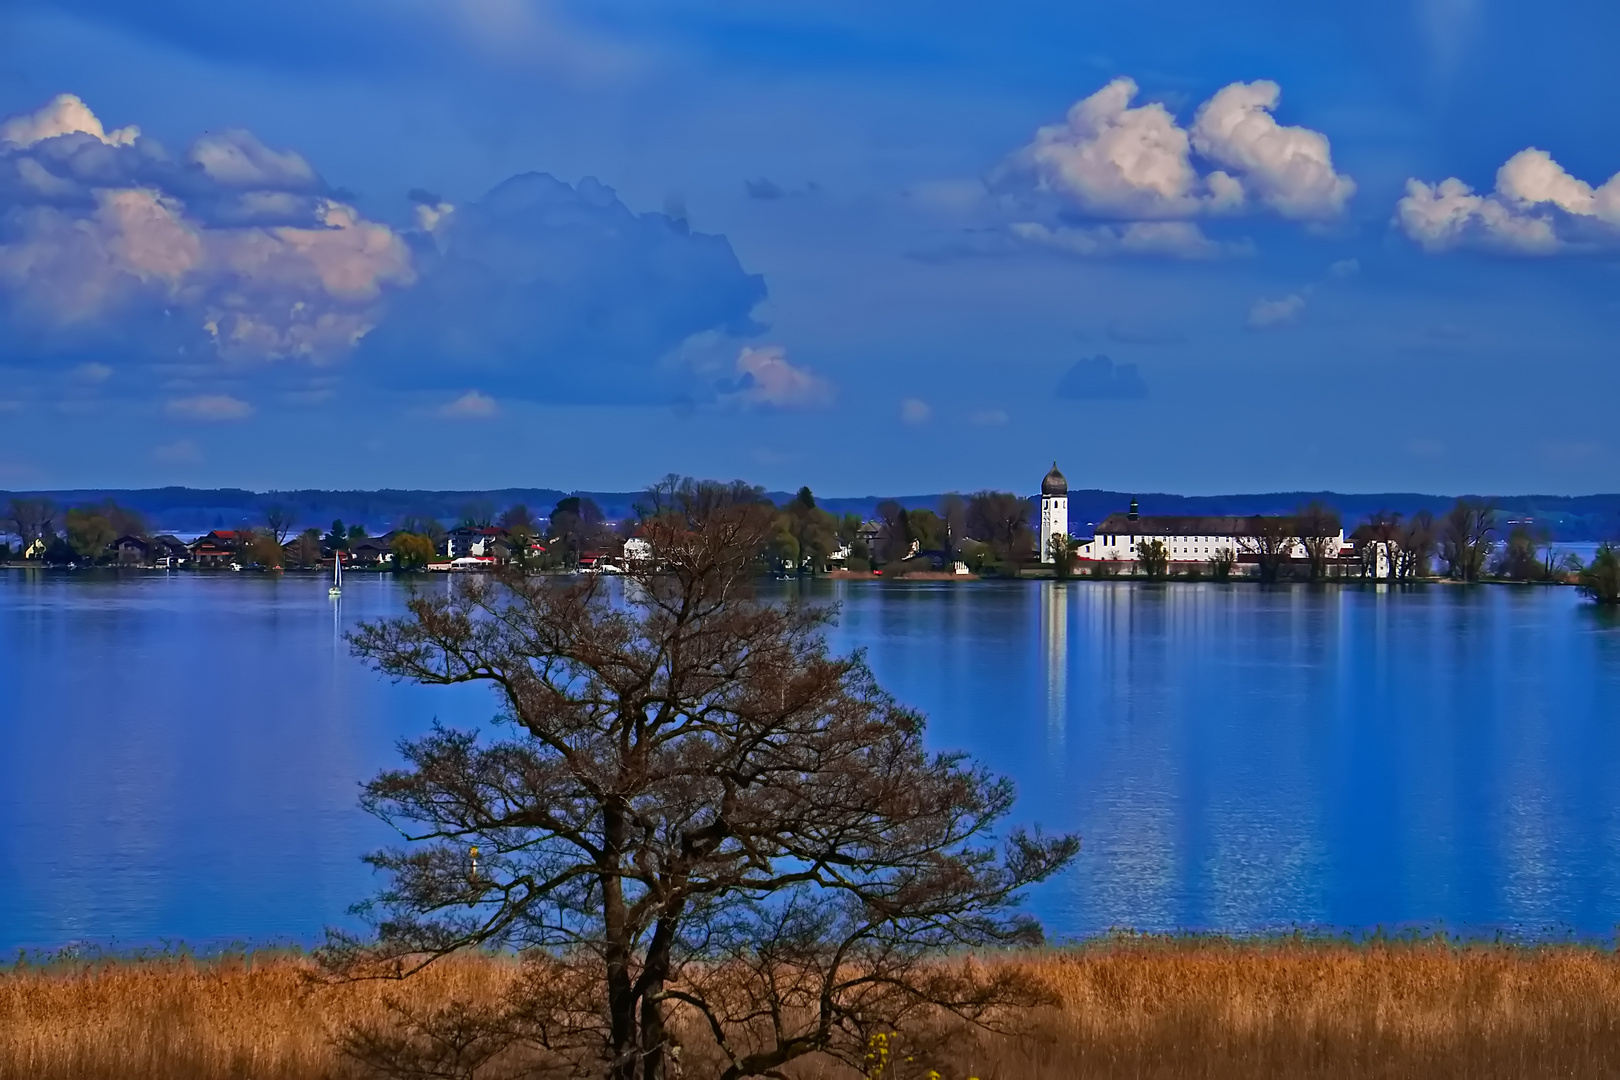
(873, 248)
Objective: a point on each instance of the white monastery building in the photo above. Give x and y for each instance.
(1186, 538)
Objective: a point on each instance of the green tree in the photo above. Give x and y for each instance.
(89, 534)
(336, 538)
(1221, 563)
(412, 551)
(1063, 551)
(1520, 557)
(1600, 579)
(261, 549)
(813, 530)
(1154, 559)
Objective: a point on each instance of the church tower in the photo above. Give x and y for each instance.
(1054, 511)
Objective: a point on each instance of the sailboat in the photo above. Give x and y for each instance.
(337, 574)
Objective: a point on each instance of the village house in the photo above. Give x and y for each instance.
(217, 549)
(132, 551)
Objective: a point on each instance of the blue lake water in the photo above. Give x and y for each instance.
(179, 755)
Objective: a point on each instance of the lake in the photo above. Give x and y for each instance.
(181, 753)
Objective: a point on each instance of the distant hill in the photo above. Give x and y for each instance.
(196, 510)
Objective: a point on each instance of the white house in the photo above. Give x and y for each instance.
(1054, 512)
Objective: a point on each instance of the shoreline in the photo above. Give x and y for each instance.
(1030, 574)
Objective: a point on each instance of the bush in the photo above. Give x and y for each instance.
(1600, 579)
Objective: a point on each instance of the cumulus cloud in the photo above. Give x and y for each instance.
(470, 406)
(560, 292)
(64, 114)
(1288, 170)
(209, 407)
(1097, 378)
(765, 377)
(1266, 314)
(112, 247)
(235, 248)
(1537, 208)
(1119, 162)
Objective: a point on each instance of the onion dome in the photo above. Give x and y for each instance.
(1054, 484)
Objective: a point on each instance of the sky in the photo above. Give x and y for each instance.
(872, 248)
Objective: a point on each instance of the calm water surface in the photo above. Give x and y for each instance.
(179, 754)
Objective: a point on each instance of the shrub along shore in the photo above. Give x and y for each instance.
(1167, 1008)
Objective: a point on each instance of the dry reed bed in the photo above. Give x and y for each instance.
(1139, 1009)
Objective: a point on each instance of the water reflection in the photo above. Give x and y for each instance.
(183, 753)
(1055, 648)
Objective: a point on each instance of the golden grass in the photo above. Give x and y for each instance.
(1173, 1009)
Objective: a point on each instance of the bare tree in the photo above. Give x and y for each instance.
(693, 812)
(1466, 538)
(1001, 519)
(279, 520)
(1417, 541)
(953, 523)
(1319, 531)
(31, 519)
(1271, 541)
(1381, 544)
(894, 539)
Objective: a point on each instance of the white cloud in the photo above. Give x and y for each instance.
(236, 158)
(470, 406)
(64, 114)
(1344, 269)
(1176, 239)
(91, 373)
(241, 247)
(1113, 161)
(989, 418)
(765, 377)
(1266, 314)
(915, 411)
(1288, 169)
(209, 407)
(1537, 208)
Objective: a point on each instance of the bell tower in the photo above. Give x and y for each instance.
(1054, 511)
